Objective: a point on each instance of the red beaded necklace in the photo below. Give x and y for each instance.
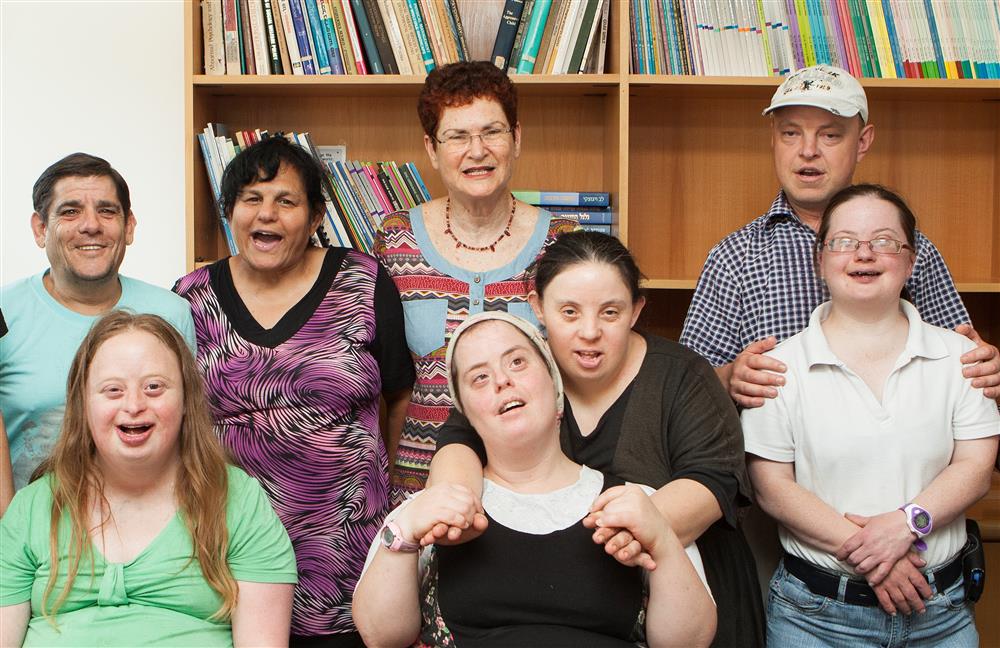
(492, 246)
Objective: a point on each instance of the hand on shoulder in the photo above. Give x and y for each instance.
(982, 364)
(753, 376)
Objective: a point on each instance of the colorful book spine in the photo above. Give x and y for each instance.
(413, 6)
(412, 168)
(395, 38)
(935, 41)
(583, 36)
(353, 38)
(565, 198)
(582, 215)
(455, 20)
(322, 50)
(213, 37)
(515, 53)
(371, 52)
(381, 35)
(272, 38)
(503, 45)
(334, 55)
(533, 35)
(291, 42)
(302, 37)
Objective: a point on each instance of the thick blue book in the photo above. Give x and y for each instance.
(583, 215)
(504, 43)
(302, 37)
(565, 198)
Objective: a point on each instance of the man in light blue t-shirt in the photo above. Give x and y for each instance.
(83, 219)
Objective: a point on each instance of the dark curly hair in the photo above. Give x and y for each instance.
(261, 163)
(459, 84)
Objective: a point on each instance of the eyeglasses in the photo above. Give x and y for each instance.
(878, 246)
(460, 140)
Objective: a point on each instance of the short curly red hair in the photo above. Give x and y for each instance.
(459, 84)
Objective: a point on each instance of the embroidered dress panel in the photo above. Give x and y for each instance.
(437, 296)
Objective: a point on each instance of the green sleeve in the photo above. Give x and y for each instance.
(18, 561)
(259, 548)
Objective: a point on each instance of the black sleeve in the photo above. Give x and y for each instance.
(705, 440)
(3, 325)
(457, 429)
(389, 347)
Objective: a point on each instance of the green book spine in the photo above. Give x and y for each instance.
(866, 21)
(533, 36)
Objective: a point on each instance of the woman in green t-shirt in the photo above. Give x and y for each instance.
(137, 532)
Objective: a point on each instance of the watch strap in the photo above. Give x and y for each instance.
(912, 511)
(392, 538)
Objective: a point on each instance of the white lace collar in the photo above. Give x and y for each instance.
(543, 513)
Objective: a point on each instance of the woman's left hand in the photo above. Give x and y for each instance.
(628, 525)
(881, 542)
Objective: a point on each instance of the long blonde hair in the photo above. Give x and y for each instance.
(201, 486)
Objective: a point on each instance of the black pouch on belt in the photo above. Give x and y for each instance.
(973, 562)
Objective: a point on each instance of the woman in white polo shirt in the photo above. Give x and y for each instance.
(872, 452)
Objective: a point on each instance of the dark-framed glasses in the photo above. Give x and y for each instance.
(461, 140)
(880, 245)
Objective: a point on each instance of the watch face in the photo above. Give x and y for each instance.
(921, 519)
(387, 536)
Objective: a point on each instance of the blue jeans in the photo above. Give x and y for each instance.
(798, 618)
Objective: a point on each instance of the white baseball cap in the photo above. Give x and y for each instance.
(822, 86)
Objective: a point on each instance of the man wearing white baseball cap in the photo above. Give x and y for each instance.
(758, 285)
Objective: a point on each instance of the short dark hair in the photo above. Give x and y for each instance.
(76, 165)
(261, 162)
(459, 84)
(583, 246)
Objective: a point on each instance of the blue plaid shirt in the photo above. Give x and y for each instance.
(759, 281)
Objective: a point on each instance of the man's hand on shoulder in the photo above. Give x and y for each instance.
(753, 376)
(982, 364)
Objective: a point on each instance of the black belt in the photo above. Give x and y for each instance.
(858, 592)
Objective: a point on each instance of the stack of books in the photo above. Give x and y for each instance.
(953, 39)
(359, 194)
(592, 209)
(552, 37)
(331, 36)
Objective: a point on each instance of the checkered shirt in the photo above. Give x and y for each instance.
(759, 281)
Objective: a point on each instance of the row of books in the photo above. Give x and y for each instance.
(592, 209)
(331, 36)
(359, 196)
(951, 39)
(552, 37)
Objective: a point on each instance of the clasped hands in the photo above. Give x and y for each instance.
(882, 551)
(624, 518)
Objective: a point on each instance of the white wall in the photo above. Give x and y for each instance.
(105, 78)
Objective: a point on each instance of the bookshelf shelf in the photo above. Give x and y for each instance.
(686, 158)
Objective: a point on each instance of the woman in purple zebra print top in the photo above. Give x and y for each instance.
(297, 345)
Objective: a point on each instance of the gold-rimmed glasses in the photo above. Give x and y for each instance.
(461, 140)
(881, 245)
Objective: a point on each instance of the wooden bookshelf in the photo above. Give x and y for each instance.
(685, 158)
